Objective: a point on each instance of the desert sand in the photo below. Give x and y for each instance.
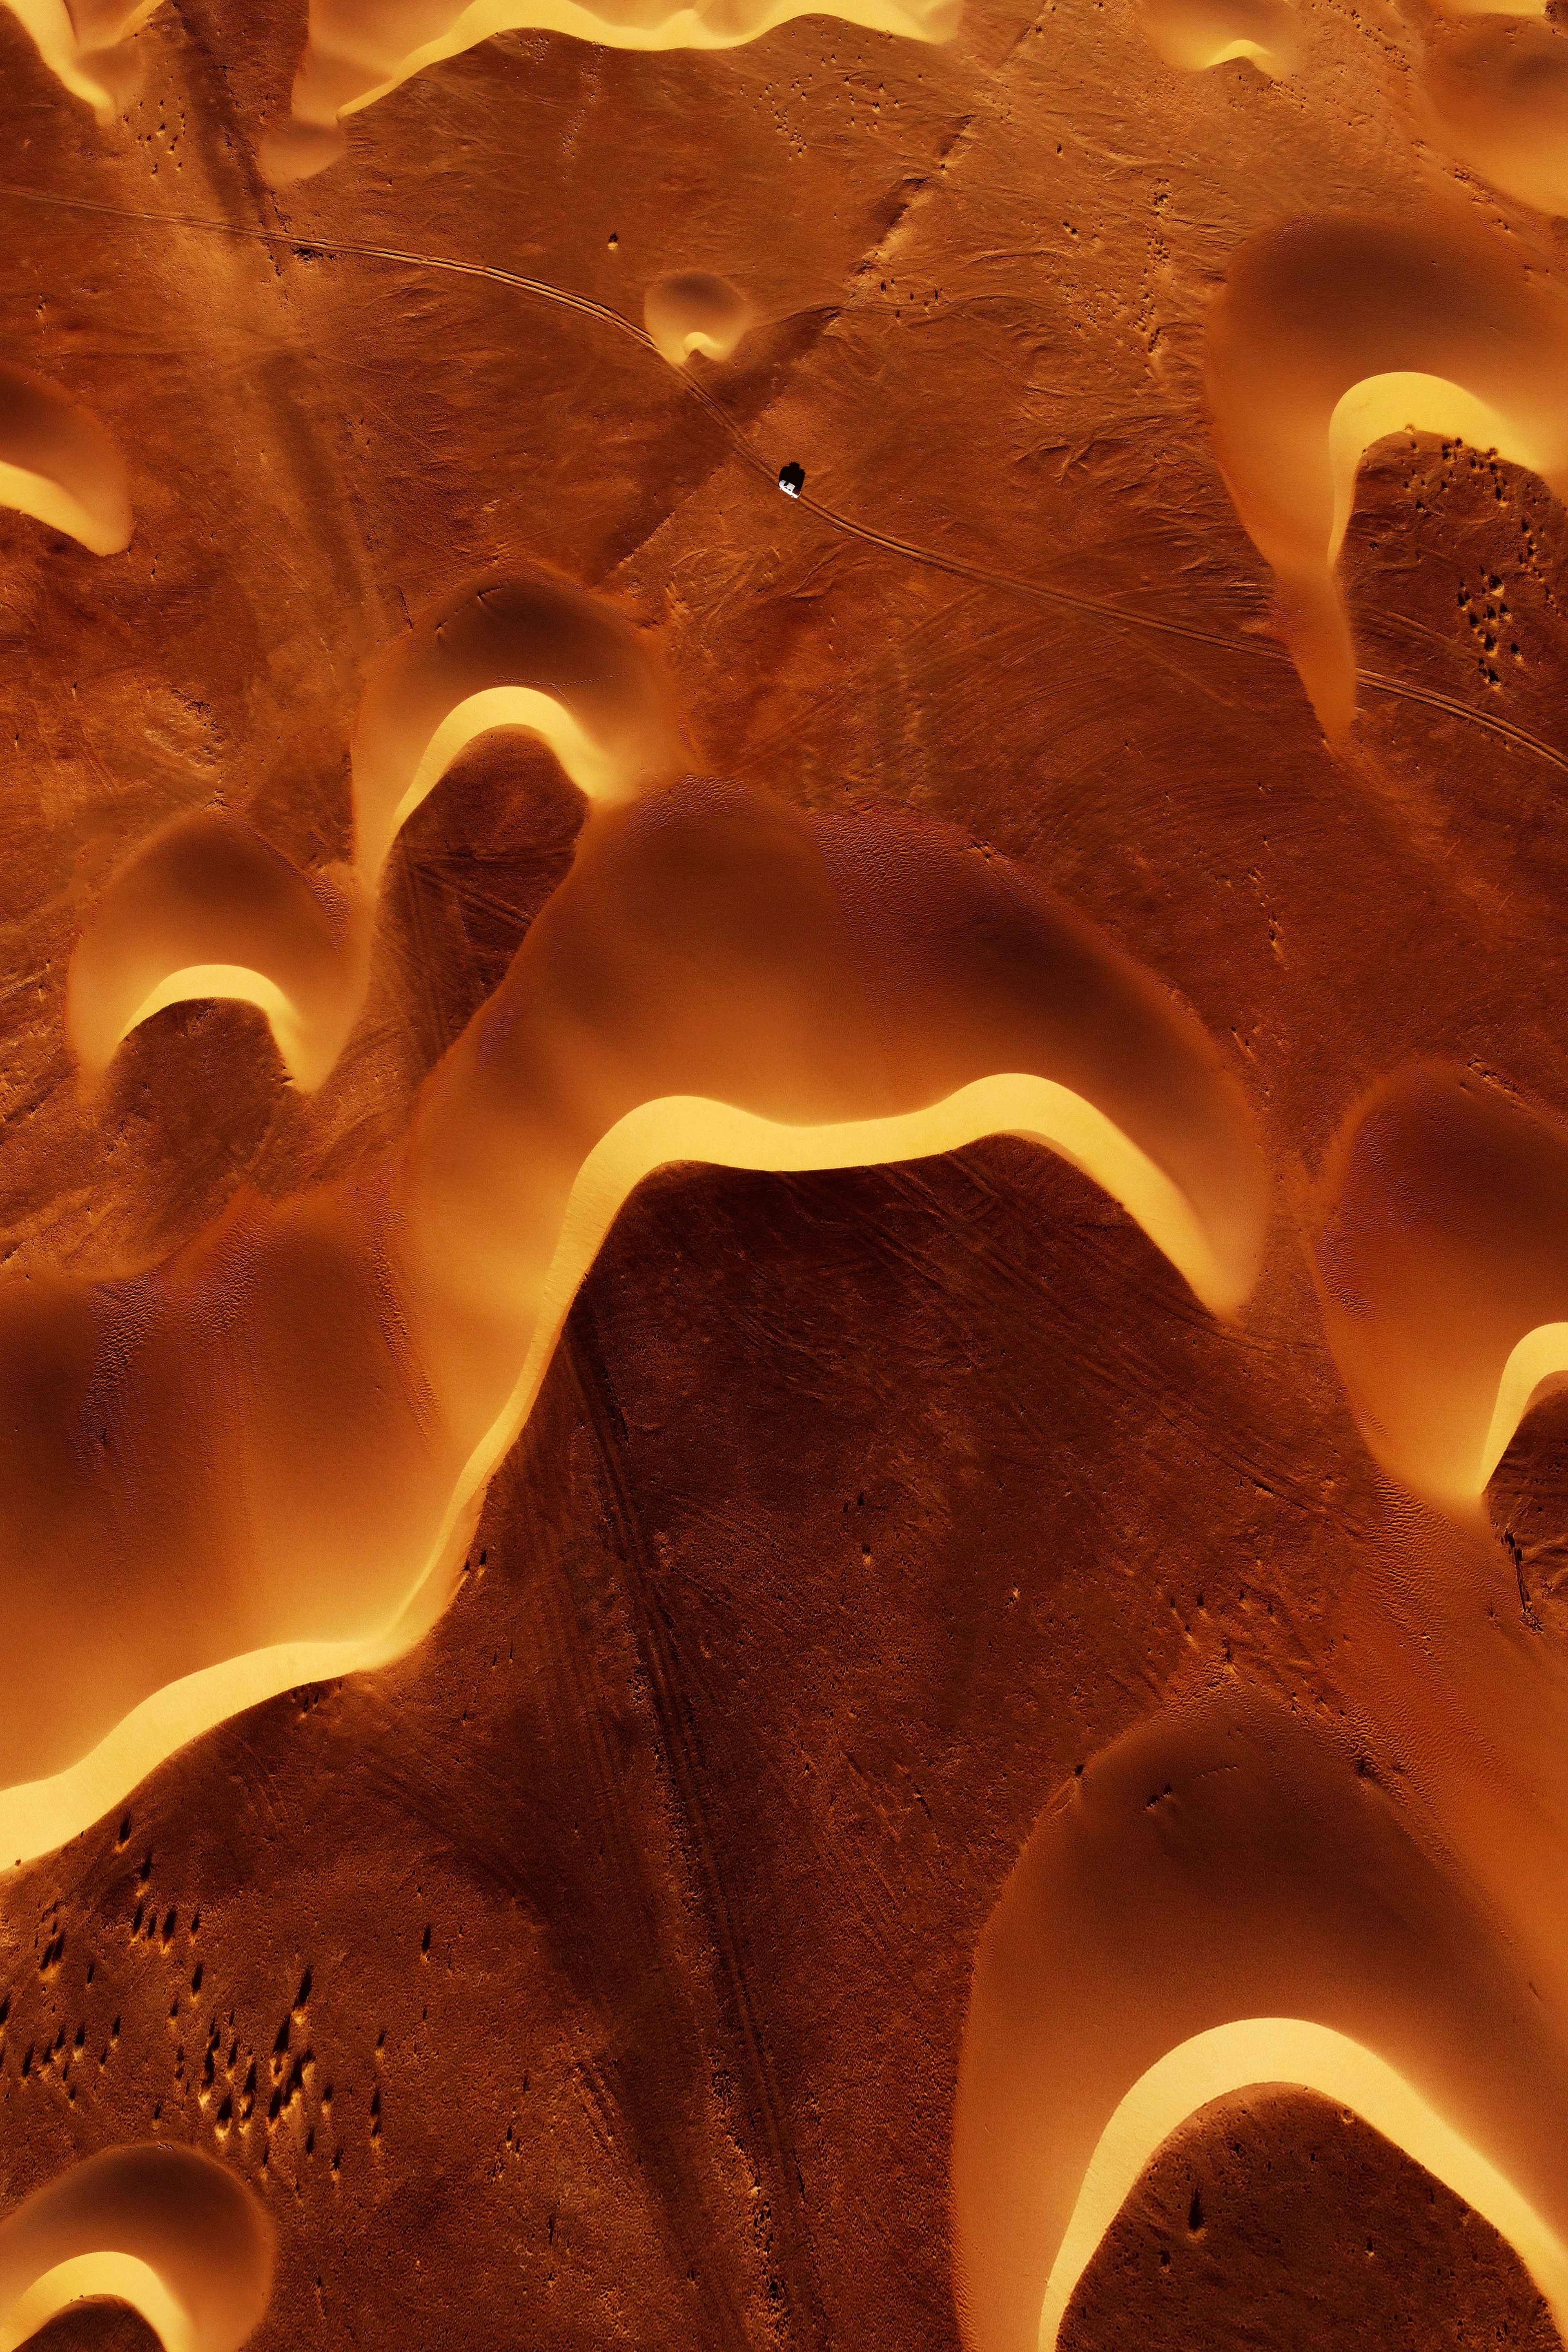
(783, 1324)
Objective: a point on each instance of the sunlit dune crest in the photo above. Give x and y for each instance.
(169, 2232)
(695, 311)
(719, 978)
(1499, 94)
(57, 465)
(82, 46)
(1193, 35)
(1443, 1267)
(359, 50)
(1288, 2050)
(1328, 335)
(207, 908)
(1223, 1900)
(581, 680)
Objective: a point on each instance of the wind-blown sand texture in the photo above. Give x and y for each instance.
(782, 1380)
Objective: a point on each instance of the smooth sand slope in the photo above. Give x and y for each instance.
(297, 1417)
(169, 2232)
(1332, 333)
(1223, 1900)
(58, 464)
(1441, 1261)
(358, 50)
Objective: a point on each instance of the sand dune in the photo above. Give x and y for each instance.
(207, 908)
(358, 50)
(1443, 1265)
(1193, 35)
(1328, 335)
(166, 2229)
(58, 465)
(82, 46)
(1220, 1900)
(1499, 94)
(298, 1416)
(695, 311)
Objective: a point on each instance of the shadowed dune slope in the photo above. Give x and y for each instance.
(1499, 93)
(167, 2230)
(1443, 1263)
(360, 49)
(1191, 34)
(81, 42)
(296, 1419)
(695, 311)
(1303, 1936)
(1275, 2214)
(58, 465)
(207, 908)
(1330, 334)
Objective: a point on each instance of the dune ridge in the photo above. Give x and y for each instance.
(1442, 1266)
(58, 464)
(83, 46)
(206, 908)
(360, 50)
(166, 2229)
(1192, 36)
(1309, 1931)
(693, 311)
(718, 978)
(1330, 333)
(1497, 90)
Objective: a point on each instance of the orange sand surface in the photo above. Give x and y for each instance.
(784, 1281)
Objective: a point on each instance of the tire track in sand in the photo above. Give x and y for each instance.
(786, 2246)
(957, 567)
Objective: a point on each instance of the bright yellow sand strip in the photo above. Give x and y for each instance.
(236, 983)
(1259, 2050)
(35, 494)
(113, 2278)
(1540, 1356)
(38, 1817)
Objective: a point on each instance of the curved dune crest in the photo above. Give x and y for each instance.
(58, 464)
(719, 978)
(695, 311)
(359, 50)
(1303, 1936)
(166, 2229)
(1442, 1266)
(1257, 2050)
(208, 910)
(1193, 35)
(532, 652)
(1330, 334)
(80, 45)
(1499, 93)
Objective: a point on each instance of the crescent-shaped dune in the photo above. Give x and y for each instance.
(298, 1416)
(1220, 1900)
(1499, 95)
(58, 464)
(206, 908)
(168, 2230)
(695, 311)
(1288, 2050)
(1193, 34)
(1332, 333)
(359, 50)
(80, 45)
(530, 651)
(1442, 1264)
